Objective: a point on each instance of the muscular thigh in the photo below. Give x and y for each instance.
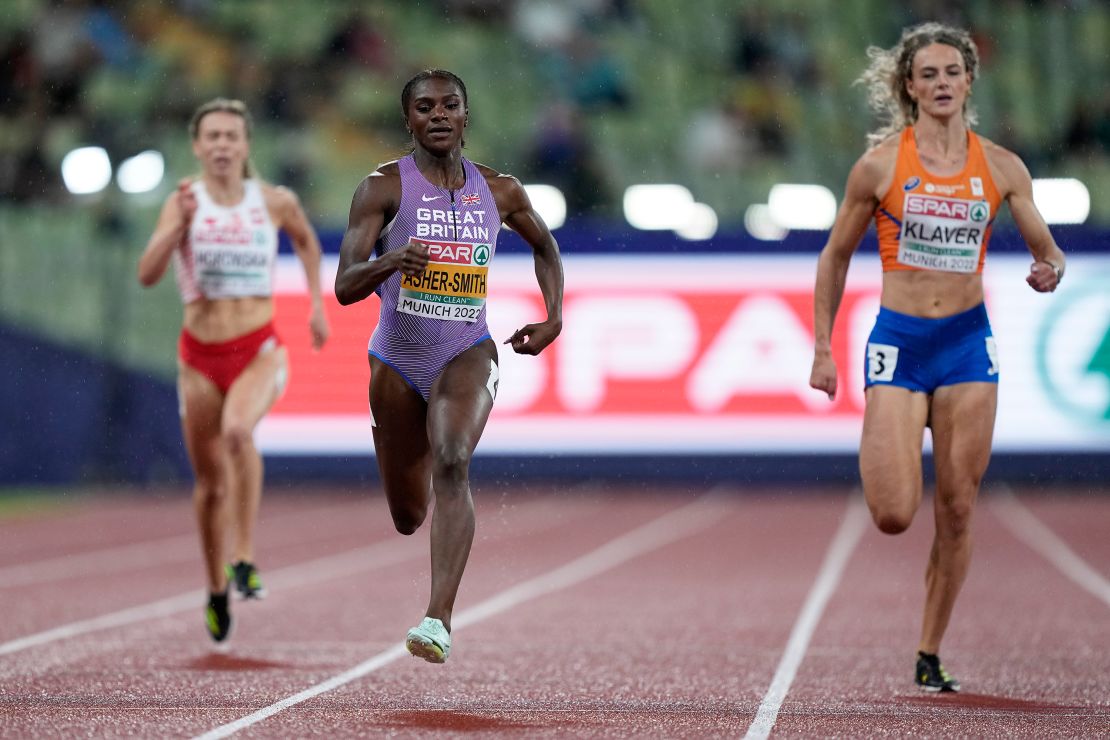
(890, 451)
(963, 427)
(462, 398)
(400, 432)
(256, 389)
(201, 407)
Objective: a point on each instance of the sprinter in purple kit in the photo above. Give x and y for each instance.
(422, 233)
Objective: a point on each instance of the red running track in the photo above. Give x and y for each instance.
(599, 611)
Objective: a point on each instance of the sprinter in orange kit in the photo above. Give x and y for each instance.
(933, 187)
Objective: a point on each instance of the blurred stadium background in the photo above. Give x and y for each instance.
(685, 346)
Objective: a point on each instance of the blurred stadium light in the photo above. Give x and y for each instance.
(669, 207)
(141, 173)
(550, 203)
(758, 222)
(86, 170)
(802, 206)
(657, 207)
(701, 223)
(1062, 200)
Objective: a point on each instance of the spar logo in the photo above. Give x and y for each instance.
(481, 254)
(454, 253)
(1073, 352)
(952, 208)
(948, 208)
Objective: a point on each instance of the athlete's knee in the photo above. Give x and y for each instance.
(890, 522)
(891, 519)
(892, 504)
(237, 438)
(208, 489)
(408, 517)
(451, 465)
(407, 523)
(954, 514)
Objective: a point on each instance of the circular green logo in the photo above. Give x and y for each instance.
(979, 212)
(1073, 351)
(481, 254)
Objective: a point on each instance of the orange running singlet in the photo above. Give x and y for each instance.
(928, 222)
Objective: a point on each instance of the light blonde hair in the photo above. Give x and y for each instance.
(224, 105)
(886, 75)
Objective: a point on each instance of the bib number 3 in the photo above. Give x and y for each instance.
(881, 361)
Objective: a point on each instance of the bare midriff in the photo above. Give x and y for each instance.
(225, 319)
(930, 294)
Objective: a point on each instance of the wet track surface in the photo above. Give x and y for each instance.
(601, 611)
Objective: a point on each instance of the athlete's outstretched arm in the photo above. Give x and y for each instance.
(358, 275)
(832, 266)
(306, 245)
(1017, 188)
(522, 218)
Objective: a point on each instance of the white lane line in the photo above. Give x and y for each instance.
(327, 568)
(123, 558)
(1028, 528)
(115, 559)
(163, 608)
(673, 526)
(840, 549)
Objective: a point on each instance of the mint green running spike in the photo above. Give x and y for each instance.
(429, 640)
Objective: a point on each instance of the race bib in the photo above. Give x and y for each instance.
(882, 359)
(230, 263)
(943, 234)
(453, 287)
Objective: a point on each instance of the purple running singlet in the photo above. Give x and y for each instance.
(428, 320)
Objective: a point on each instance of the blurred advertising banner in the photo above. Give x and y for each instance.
(704, 354)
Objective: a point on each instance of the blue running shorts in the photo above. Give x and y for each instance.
(924, 354)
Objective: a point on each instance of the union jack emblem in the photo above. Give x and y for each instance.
(469, 200)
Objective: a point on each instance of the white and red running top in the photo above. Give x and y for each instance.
(230, 250)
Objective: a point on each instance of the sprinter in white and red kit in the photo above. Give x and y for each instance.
(220, 231)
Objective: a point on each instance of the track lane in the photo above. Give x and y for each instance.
(680, 642)
(298, 561)
(167, 654)
(1022, 641)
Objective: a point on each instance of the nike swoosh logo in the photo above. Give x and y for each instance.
(426, 199)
